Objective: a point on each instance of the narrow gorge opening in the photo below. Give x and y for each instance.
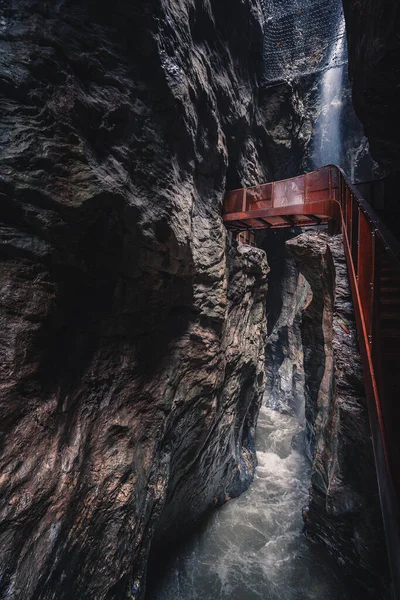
(183, 411)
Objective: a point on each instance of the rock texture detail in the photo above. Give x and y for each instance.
(302, 138)
(284, 349)
(374, 48)
(343, 512)
(123, 333)
(213, 457)
(288, 294)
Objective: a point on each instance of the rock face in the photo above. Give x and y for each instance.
(132, 334)
(306, 94)
(300, 136)
(213, 457)
(131, 345)
(288, 293)
(343, 512)
(374, 46)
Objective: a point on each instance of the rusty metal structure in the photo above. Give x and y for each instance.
(373, 261)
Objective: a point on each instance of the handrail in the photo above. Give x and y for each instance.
(287, 178)
(373, 261)
(391, 243)
(372, 252)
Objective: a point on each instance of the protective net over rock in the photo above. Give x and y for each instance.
(302, 37)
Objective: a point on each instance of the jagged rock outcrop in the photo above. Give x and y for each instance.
(343, 512)
(284, 349)
(212, 449)
(288, 293)
(122, 369)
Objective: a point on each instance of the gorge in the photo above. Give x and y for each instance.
(312, 422)
(138, 339)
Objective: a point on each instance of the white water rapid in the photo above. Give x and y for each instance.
(253, 548)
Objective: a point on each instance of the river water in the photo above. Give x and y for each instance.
(252, 548)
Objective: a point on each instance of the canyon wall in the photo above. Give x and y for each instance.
(344, 511)
(288, 292)
(314, 371)
(132, 344)
(132, 332)
(374, 47)
(306, 94)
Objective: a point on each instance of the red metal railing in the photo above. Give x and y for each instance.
(373, 261)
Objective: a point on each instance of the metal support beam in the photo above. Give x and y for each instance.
(264, 222)
(288, 219)
(322, 208)
(314, 218)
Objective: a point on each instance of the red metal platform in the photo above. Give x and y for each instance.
(304, 200)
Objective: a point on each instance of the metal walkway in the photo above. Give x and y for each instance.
(373, 261)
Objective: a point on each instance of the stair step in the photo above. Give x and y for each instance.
(391, 293)
(388, 269)
(390, 302)
(388, 279)
(388, 296)
(395, 289)
(389, 334)
(390, 316)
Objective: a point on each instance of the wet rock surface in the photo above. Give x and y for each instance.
(214, 463)
(343, 511)
(311, 123)
(131, 344)
(288, 293)
(132, 334)
(284, 349)
(374, 47)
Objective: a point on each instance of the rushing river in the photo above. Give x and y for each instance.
(253, 548)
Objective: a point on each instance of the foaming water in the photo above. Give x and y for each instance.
(253, 548)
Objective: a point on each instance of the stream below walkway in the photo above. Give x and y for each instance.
(252, 548)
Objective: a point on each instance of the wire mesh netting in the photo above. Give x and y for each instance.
(302, 37)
